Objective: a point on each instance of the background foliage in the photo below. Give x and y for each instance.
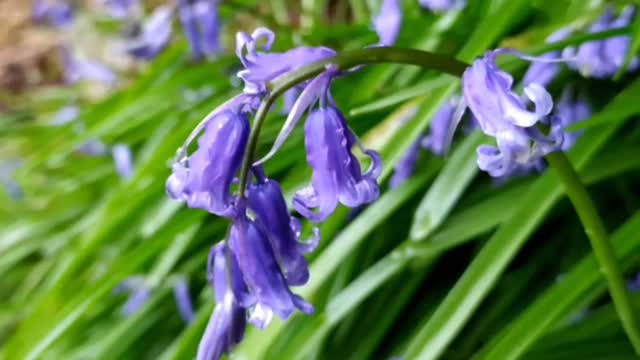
(449, 264)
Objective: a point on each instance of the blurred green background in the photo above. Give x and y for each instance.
(506, 268)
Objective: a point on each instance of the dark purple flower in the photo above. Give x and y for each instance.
(502, 114)
(154, 36)
(389, 22)
(228, 322)
(261, 272)
(123, 160)
(603, 58)
(263, 67)
(569, 110)
(204, 179)
(406, 166)
(268, 204)
(337, 176)
(201, 24)
(121, 9)
(543, 73)
(183, 300)
(58, 13)
(77, 68)
(442, 5)
(441, 126)
(140, 294)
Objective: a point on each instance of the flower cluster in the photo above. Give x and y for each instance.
(505, 116)
(599, 59)
(200, 21)
(253, 269)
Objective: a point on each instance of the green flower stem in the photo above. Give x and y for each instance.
(343, 61)
(602, 249)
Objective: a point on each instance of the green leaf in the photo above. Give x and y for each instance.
(482, 274)
(578, 287)
(458, 172)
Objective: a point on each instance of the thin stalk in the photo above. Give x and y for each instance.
(602, 249)
(343, 61)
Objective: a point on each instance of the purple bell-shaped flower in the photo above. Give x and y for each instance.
(268, 204)
(571, 109)
(261, 272)
(228, 322)
(154, 36)
(201, 24)
(389, 22)
(337, 176)
(204, 179)
(502, 114)
(263, 67)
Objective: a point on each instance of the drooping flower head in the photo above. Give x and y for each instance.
(201, 24)
(260, 269)
(505, 116)
(543, 73)
(228, 322)
(438, 139)
(267, 202)
(442, 5)
(204, 179)
(388, 23)
(58, 13)
(602, 59)
(154, 35)
(261, 67)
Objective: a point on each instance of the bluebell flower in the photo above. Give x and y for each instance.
(65, 115)
(441, 126)
(503, 115)
(123, 160)
(405, 168)
(139, 292)
(337, 175)
(543, 73)
(227, 324)
(183, 300)
(388, 23)
(154, 36)
(603, 58)
(261, 67)
(570, 109)
(58, 13)
(267, 202)
(120, 9)
(442, 5)
(201, 24)
(78, 68)
(261, 272)
(203, 180)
